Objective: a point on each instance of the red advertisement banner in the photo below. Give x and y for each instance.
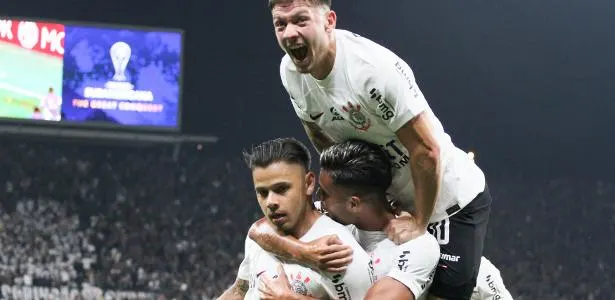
(41, 37)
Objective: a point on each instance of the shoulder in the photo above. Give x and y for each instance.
(367, 61)
(426, 246)
(327, 226)
(286, 65)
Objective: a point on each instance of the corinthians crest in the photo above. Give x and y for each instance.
(357, 119)
(299, 284)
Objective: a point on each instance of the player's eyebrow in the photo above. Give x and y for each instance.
(301, 13)
(274, 186)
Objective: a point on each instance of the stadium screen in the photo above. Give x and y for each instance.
(90, 74)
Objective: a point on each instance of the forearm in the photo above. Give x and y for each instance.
(319, 139)
(267, 238)
(390, 289)
(425, 168)
(236, 292)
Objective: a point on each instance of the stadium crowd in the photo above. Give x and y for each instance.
(142, 219)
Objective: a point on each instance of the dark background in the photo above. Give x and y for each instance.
(526, 84)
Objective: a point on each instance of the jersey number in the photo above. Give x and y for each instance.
(440, 230)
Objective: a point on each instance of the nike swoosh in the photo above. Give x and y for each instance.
(314, 118)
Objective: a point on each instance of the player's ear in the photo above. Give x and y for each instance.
(310, 183)
(354, 203)
(330, 21)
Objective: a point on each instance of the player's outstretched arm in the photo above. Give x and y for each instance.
(407, 115)
(416, 135)
(390, 289)
(237, 291)
(326, 253)
(319, 139)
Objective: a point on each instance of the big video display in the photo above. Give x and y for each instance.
(90, 74)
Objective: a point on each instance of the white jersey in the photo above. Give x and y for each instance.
(489, 283)
(370, 94)
(412, 263)
(352, 284)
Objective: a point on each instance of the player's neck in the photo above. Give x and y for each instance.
(327, 61)
(374, 220)
(305, 223)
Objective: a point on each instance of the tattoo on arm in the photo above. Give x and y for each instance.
(286, 247)
(237, 291)
(243, 286)
(320, 140)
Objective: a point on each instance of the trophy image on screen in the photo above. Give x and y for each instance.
(120, 56)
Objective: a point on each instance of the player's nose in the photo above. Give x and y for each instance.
(291, 33)
(273, 201)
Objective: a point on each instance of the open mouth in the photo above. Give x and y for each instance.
(277, 218)
(299, 53)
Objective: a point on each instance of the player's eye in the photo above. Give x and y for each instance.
(261, 193)
(279, 25)
(280, 190)
(301, 21)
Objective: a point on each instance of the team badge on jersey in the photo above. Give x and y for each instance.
(299, 284)
(357, 119)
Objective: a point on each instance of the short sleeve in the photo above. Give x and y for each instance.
(391, 92)
(489, 284)
(244, 267)
(283, 76)
(415, 263)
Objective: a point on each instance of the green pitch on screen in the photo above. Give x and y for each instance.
(25, 77)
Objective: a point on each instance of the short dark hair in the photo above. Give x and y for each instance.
(363, 167)
(287, 150)
(273, 3)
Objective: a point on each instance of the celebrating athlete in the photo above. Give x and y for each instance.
(343, 86)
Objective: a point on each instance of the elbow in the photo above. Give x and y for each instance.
(427, 157)
(257, 229)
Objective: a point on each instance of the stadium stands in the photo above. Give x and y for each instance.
(134, 220)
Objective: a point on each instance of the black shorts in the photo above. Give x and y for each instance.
(461, 239)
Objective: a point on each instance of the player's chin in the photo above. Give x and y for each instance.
(303, 65)
(338, 220)
(303, 69)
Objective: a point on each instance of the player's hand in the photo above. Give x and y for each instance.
(404, 228)
(277, 287)
(328, 254)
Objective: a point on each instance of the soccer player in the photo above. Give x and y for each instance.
(284, 186)
(51, 106)
(345, 86)
(354, 177)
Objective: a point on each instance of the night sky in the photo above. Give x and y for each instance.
(529, 85)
